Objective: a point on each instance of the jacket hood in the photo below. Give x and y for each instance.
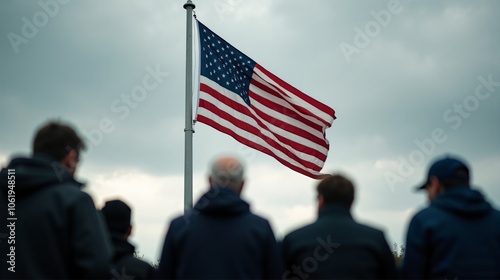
(32, 174)
(464, 202)
(221, 202)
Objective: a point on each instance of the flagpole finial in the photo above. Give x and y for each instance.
(189, 4)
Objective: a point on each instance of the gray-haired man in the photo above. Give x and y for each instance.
(220, 238)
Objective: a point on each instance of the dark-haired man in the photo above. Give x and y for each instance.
(335, 246)
(56, 233)
(458, 235)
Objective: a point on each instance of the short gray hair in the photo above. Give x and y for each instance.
(227, 172)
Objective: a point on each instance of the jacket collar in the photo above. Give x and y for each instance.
(330, 210)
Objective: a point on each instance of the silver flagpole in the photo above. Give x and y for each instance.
(188, 129)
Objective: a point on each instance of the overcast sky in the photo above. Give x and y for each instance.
(409, 81)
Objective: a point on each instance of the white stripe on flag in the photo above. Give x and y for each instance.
(251, 121)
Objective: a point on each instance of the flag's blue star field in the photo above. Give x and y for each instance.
(224, 64)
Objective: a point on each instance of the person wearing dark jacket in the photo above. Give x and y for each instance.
(56, 232)
(118, 218)
(458, 235)
(220, 238)
(335, 246)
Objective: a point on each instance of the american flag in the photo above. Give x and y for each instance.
(242, 99)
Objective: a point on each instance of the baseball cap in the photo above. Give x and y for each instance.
(444, 169)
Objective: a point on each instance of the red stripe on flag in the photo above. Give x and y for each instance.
(256, 131)
(298, 93)
(242, 99)
(276, 122)
(298, 112)
(284, 125)
(256, 146)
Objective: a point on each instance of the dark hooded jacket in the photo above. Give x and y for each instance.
(56, 232)
(456, 237)
(125, 263)
(220, 239)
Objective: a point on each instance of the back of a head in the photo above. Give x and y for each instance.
(117, 215)
(460, 177)
(336, 190)
(227, 171)
(56, 140)
(451, 171)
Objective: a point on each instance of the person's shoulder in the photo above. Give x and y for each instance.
(71, 187)
(75, 190)
(257, 218)
(69, 192)
(140, 263)
(302, 231)
(496, 213)
(425, 213)
(181, 219)
(426, 218)
(65, 185)
(369, 229)
(252, 221)
(135, 267)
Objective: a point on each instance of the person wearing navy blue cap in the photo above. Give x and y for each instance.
(458, 235)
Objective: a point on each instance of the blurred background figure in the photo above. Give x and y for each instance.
(335, 246)
(58, 232)
(220, 238)
(118, 218)
(458, 235)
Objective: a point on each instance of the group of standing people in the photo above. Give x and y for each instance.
(56, 231)
(60, 235)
